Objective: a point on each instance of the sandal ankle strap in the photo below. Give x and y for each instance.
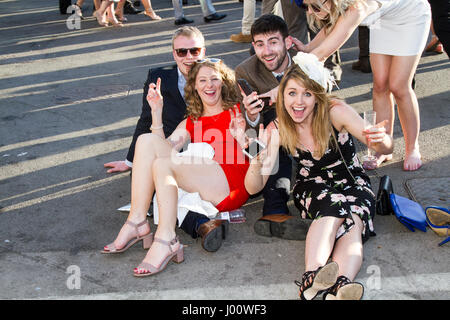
(136, 225)
(340, 282)
(167, 243)
(307, 280)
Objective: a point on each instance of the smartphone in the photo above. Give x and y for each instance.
(253, 149)
(247, 88)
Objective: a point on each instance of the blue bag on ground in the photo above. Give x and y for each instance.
(408, 212)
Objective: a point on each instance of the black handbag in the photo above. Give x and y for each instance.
(383, 204)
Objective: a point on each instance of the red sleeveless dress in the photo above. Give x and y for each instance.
(214, 130)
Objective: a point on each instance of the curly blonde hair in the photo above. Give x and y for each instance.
(230, 92)
(337, 9)
(322, 128)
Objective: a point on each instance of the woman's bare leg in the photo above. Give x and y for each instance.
(149, 147)
(97, 4)
(383, 103)
(149, 12)
(320, 241)
(348, 251)
(400, 78)
(208, 179)
(100, 13)
(111, 17)
(119, 11)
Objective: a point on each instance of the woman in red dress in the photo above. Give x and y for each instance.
(212, 99)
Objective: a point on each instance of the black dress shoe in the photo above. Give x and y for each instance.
(212, 233)
(183, 20)
(128, 8)
(185, 2)
(214, 16)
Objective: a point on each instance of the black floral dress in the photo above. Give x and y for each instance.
(325, 187)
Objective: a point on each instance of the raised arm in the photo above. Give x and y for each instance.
(179, 136)
(156, 102)
(155, 99)
(345, 117)
(325, 45)
(261, 167)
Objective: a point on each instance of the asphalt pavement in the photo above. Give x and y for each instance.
(70, 96)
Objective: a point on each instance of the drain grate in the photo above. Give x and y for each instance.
(429, 191)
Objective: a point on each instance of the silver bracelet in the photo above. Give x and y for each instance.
(156, 128)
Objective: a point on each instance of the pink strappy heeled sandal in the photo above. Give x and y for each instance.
(146, 269)
(147, 240)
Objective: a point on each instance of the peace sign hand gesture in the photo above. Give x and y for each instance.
(154, 97)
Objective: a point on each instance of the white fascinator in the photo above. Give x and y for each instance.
(315, 69)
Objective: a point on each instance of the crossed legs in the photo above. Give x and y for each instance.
(155, 167)
(392, 77)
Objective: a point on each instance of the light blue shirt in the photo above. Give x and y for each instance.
(181, 82)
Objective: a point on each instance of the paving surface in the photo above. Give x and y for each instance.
(69, 102)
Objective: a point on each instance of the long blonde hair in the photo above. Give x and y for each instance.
(337, 9)
(230, 93)
(322, 129)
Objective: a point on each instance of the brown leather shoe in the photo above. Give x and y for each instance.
(282, 226)
(212, 233)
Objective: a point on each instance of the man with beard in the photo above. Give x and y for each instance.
(263, 72)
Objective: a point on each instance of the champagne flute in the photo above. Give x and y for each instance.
(369, 159)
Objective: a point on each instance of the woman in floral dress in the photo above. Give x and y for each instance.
(332, 187)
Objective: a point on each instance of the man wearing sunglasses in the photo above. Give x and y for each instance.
(263, 71)
(188, 46)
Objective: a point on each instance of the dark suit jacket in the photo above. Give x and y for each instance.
(174, 109)
(260, 79)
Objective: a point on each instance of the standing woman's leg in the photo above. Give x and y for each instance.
(111, 16)
(149, 12)
(383, 103)
(400, 77)
(100, 13)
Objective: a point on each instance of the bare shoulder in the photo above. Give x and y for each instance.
(340, 113)
(338, 106)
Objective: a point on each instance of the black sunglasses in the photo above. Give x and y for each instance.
(182, 52)
(313, 6)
